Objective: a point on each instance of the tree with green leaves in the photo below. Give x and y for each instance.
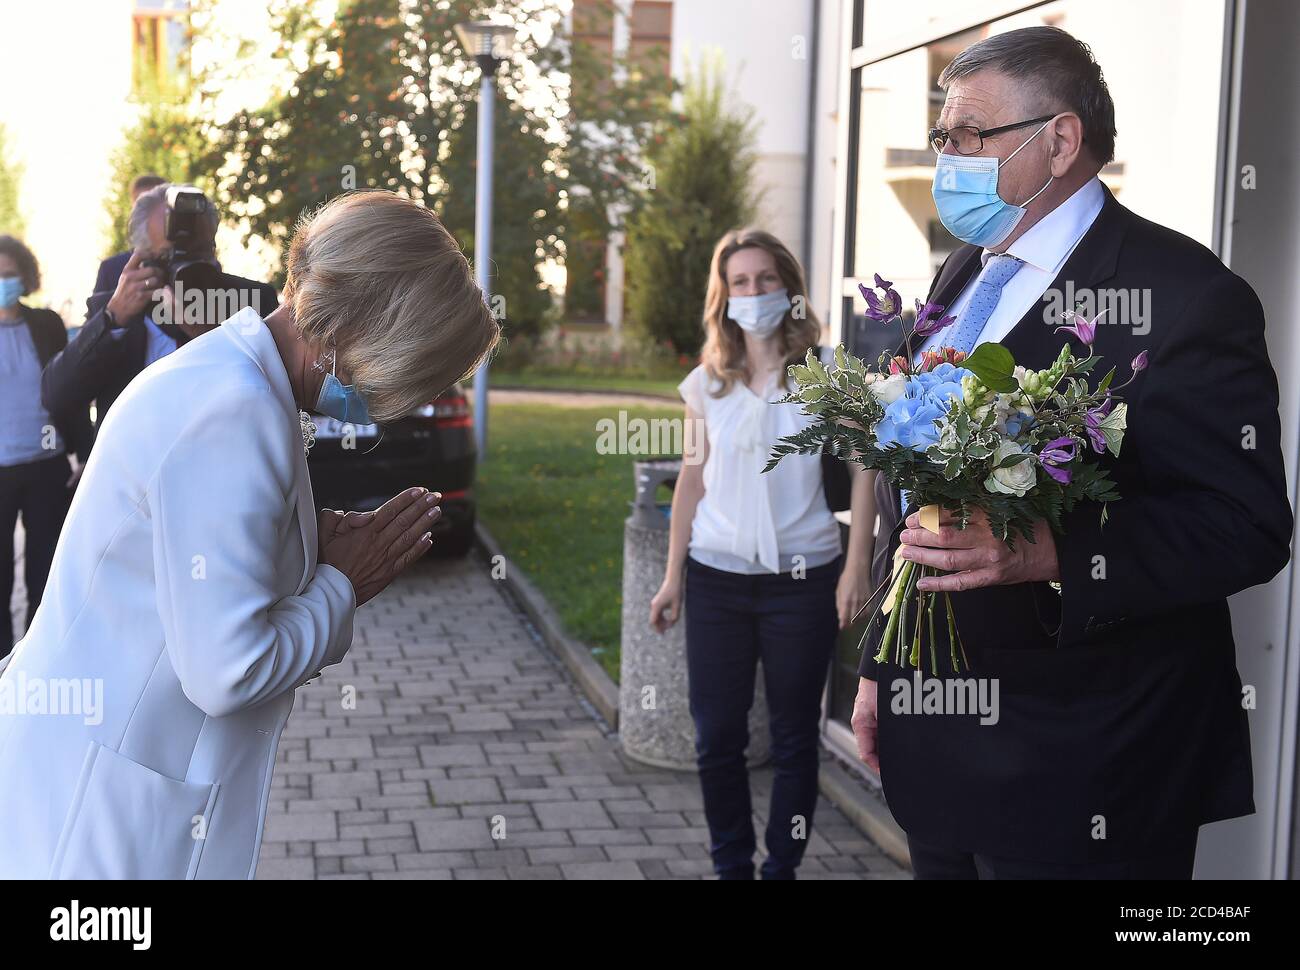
(387, 100)
(11, 216)
(703, 175)
(617, 105)
(165, 139)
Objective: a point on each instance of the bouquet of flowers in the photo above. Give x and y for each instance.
(962, 432)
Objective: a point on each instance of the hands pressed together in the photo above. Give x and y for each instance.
(372, 548)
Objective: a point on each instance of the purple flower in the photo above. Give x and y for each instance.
(1084, 330)
(927, 327)
(1140, 362)
(1092, 424)
(882, 309)
(1056, 454)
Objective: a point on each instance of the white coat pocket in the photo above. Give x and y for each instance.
(127, 821)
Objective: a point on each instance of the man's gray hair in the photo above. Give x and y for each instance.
(1063, 76)
(148, 203)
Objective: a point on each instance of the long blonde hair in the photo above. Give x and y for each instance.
(723, 355)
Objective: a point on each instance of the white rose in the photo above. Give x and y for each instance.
(890, 389)
(1015, 479)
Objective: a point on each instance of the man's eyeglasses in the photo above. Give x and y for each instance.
(969, 140)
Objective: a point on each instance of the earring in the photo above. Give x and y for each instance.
(319, 367)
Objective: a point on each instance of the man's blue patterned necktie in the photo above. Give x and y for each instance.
(997, 272)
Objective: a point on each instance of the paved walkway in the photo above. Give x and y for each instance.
(470, 755)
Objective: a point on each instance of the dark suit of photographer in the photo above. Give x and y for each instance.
(120, 336)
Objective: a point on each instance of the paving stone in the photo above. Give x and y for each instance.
(618, 852)
(286, 869)
(464, 790)
(575, 853)
(301, 827)
(608, 837)
(534, 872)
(437, 836)
(602, 870)
(573, 815)
(442, 755)
(328, 749)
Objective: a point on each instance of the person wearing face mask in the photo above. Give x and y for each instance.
(195, 579)
(757, 557)
(1120, 727)
(125, 330)
(36, 447)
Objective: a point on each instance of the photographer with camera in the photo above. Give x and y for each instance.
(110, 269)
(170, 291)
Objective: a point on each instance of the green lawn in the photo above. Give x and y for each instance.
(664, 387)
(557, 507)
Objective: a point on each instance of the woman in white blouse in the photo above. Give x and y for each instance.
(757, 555)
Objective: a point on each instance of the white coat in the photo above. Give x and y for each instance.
(185, 593)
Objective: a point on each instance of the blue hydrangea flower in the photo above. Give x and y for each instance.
(910, 420)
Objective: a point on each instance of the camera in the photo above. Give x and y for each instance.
(191, 237)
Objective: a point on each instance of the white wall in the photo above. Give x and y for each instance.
(1262, 244)
(767, 50)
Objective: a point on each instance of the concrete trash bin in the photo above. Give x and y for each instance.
(655, 723)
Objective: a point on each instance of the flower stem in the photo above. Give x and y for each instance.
(904, 597)
(934, 657)
(952, 631)
(887, 641)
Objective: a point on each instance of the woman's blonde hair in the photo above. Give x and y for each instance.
(723, 355)
(378, 278)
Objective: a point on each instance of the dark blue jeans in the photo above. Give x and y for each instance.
(732, 622)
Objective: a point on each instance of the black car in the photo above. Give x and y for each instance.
(356, 467)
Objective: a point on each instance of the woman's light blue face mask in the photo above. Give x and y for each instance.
(966, 195)
(11, 289)
(341, 401)
(759, 314)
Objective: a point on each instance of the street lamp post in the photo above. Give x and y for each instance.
(485, 42)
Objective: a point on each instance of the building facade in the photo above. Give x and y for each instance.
(768, 49)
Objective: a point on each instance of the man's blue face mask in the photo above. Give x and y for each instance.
(966, 194)
(341, 401)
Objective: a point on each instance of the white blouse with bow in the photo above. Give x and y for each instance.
(747, 521)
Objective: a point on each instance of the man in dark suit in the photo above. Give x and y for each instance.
(139, 321)
(110, 269)
(1120, 727)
